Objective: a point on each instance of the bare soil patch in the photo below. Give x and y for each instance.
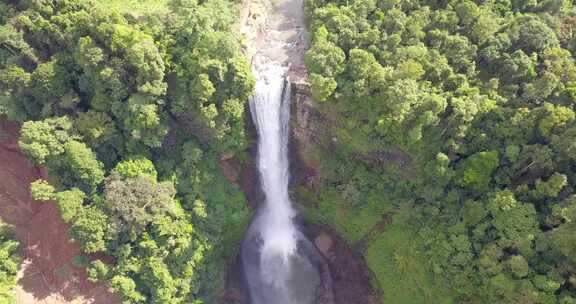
(47, 275)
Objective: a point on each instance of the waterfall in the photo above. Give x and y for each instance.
(271, 114)
(279, 264)
(275, 255)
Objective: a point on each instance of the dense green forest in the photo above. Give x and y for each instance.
(129, 111)
(452, 121)
(456, 118)
(9, 263)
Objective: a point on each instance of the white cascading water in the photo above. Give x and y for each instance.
(280, 265)
(271, 113)
(276, 256)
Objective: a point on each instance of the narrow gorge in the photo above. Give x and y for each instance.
(280, 264)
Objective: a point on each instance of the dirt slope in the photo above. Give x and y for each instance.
(47, 275)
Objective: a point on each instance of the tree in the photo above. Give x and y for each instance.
(89, 228)
(545, 284)
(44, 140)
(565, 144)
(135, 202)
(322, 87)
(516, 67)
(502, 286)
(325, 58)
(136, 166)
(157, 275)
(550, 188)
(9, 263)
(487, 83)
(476, 171)
(41, 190)
(127, 288)
(554, 118)
(518, 266)
(48, 84)
(142, 55)
(559, 62)
(468, 12)
(97, 271)
(69, 203)
(143, 122)
(530, 34)
(523, 5)
(90, 86)
(487, 24)
(95, 127)
(81, 167)
(513, 221)
(14, 84)
(533, 158)
(458, 49)
(563, 241)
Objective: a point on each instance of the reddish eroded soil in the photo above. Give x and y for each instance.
(47, 275)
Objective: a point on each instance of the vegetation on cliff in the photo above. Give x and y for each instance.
(456, 117)
(9, 263)
(129, 108)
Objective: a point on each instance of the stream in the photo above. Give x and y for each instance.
(279, 263)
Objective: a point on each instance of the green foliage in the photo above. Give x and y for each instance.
(90, 228)
(466, 110)
(476, 171)
(127, 288)
(145, 7)
(135, 167)
(95, 127)
(550, 188)
(97, 271)
(213, 78)
(400, 267)
(112, 96)
(70, 203)
(44, 140)
(80, 261)
(9, 264)
(136, 202)
(519, 267)
(531, 34)
(80, 166)
(41, 190)
(322, 87)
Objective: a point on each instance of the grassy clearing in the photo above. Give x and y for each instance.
(394, 256)
(352, 215)
(400, 268)
(351, 222)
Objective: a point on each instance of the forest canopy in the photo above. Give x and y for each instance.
(453, 118)
(129, 112)
(463, 111)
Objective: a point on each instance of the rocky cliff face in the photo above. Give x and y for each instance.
(303, 135)
(346, 278)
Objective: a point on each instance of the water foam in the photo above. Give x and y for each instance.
(270, 112)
